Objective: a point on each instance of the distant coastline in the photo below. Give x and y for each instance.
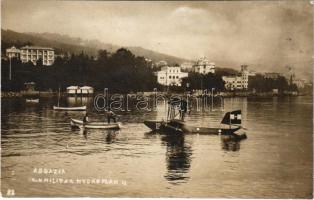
(12, 94)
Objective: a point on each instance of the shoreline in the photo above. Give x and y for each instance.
(32, 94)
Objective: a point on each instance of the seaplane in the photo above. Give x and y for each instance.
(178, 126)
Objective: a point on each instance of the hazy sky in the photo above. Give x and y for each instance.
(267, 35)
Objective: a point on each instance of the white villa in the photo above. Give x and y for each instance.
(33, 54)
(170, 76)
(13, 52)
(203, 66)
(239, 82)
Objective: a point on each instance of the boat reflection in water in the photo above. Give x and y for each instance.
(178, 158)
(179, 153)
(85, 133)
(231, 142)
(111, 136)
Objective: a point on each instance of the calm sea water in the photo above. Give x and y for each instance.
(274, 162)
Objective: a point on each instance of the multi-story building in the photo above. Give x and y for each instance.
(13, 52)
(33, 54)
(238, 82)
(203, 66)
(170, 76)
(233, 82)
(245, 76)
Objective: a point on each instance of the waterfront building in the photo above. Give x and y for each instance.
(170, 76)
(203, 66)
(86, 90)
(33, 54)
(13, 52)
(71, 90)
(245, 76)
(233, 82)
(76, 90)
(29, 86)
(238, 82)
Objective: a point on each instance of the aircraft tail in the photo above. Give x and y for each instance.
(233, 117)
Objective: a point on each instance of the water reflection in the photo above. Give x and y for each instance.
(111, 136)
(78, 101)
(85, 133)
(178, 158)
(32, 138)
(232, 142)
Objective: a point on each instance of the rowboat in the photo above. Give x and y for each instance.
(79, 108)
(94, 125)
(32, 100)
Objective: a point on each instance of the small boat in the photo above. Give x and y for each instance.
(94, 125)
(79, 108)
(32, 100)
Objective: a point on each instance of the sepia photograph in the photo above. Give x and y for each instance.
(157, 99)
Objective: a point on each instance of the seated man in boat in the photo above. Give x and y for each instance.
(111, 115)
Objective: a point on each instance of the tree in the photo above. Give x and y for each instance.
(121, 72)
(204, 81)
(103, 55)
(39, 62)
(262, 84)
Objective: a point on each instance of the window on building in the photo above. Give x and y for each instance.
(169, 77)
